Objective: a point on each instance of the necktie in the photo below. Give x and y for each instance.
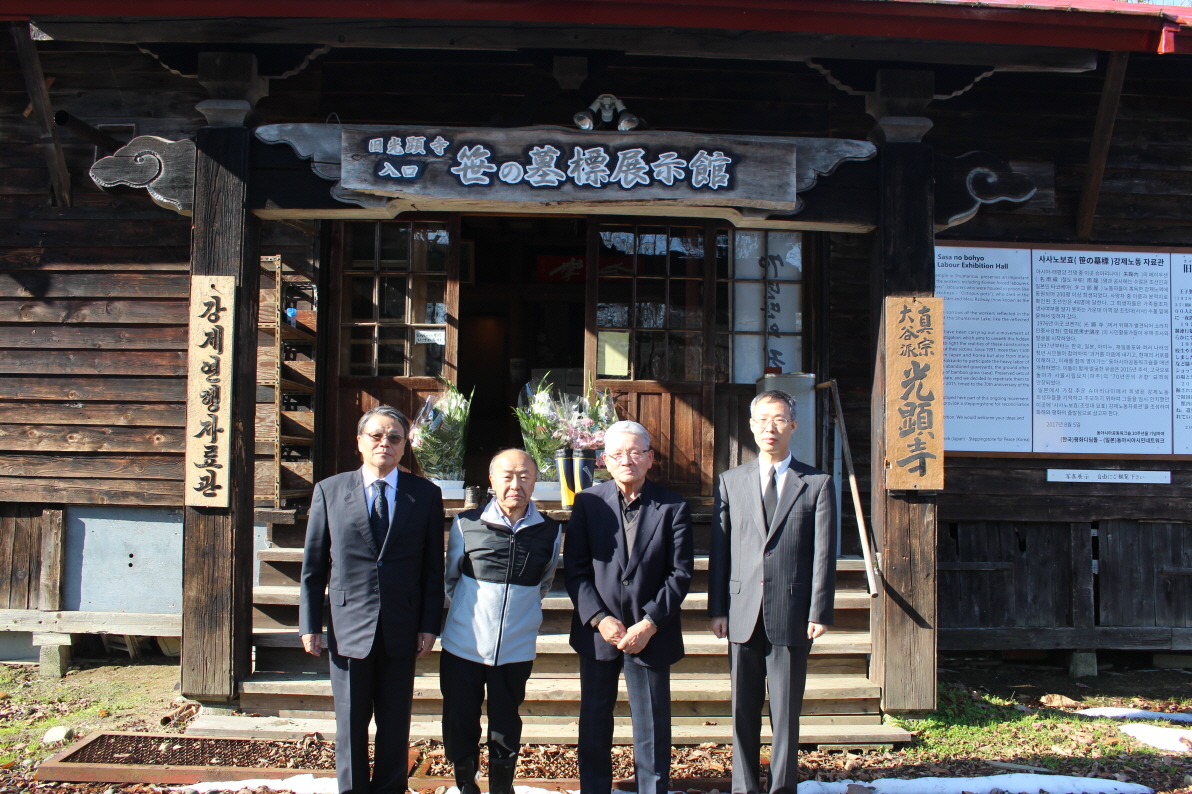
(770, 496)
(380, 514)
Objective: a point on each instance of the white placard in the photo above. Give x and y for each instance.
(1106, 475)
(1102, 352)
(430, 336)
(1181, 352)
(987, 347)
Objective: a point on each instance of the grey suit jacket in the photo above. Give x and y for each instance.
(787, 570)
(400, 585)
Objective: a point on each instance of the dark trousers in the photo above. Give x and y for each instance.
(380, 686)
(463, 683)
(785, 667)
(649, 705)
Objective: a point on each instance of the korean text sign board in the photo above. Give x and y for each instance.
(914, 353)
(555, 165)
(1060, 351)
(210, 357)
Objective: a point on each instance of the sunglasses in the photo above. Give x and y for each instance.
(393, 438)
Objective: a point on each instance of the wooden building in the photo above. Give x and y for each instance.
(385, 193)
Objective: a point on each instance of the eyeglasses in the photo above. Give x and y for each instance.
(777, 424)
(633, 454)
(393, 438)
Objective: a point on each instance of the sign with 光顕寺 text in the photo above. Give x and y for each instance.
(210, 356)
(914, 354)
(555, 165)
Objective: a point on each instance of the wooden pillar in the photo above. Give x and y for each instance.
(905, 523)
(218, 543)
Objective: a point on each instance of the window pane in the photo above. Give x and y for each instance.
(651, 303)
(428, 299)
(748, 250)
(686, 356)
(784, 255)
(651, 250)
(722, 358)
(724, 267)
(783, 309)
(393, 299)
(785, 351)
(722, 304)
(430, 247)
(649, 355)
(686, 303)
(687, 252)
(747, 358)
(364, 244)
(426, 360)
(747, 306)
(612, 307)
(395, 246)
(616, 250)
(359, 354)
(361, 297)
(391, 351)
(612, 354)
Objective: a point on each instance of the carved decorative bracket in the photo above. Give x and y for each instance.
(165, 168)
(963, 184)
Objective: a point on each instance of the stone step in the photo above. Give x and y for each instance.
(695, 643)
(288, 595)
(817, 733)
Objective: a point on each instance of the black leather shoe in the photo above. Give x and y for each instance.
(500, 775)
(465, 776)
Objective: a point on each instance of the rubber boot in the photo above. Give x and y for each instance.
(465, 776)
(500, 775)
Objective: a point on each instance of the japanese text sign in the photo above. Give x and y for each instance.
(554, 165)
(914, 354)
(210, 357)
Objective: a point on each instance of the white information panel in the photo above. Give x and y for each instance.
(987, 353)
(1181, 352)
(1108, 475)
(1102, 352)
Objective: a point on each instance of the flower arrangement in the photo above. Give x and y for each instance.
(542, 428)
(439, 433)
(586, 418)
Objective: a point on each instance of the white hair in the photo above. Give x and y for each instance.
(630, 428)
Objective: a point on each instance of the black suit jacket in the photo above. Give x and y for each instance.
(651, 579)
(400, 585)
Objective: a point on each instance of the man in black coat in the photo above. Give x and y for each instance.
(374, 540)
(627, 557)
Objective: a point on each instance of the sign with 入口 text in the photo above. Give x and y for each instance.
(210, 356)
(555, 165)
(914, 353)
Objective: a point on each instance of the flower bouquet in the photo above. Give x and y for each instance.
(542, 428)
(439, 433)
(586, 418)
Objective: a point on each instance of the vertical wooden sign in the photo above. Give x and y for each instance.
(210, 357)
(914, 351)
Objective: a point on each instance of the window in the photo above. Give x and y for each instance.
(759, 308)
(395, 299)
(650, 303)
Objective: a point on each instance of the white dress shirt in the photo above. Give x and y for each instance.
(370, 490)
(780, 470)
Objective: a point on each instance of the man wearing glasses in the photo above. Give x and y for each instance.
(771, 583)
(374, 540)
(627, 558)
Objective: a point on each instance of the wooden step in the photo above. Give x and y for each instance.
(278, 728)
(695, 642)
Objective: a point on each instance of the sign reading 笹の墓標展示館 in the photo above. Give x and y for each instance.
(914, 416)
(549, 165)
(1067, 351)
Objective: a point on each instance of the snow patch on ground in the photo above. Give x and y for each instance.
(1017, 783)
(1161, 738)
(1134, 714)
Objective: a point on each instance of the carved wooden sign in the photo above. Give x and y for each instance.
(210, 354)
(555, 165)
(914, 353)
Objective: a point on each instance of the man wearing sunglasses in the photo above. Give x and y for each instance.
(627, 557)
(374, 541)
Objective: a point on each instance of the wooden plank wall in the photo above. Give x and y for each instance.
(31, 542)
(92, 297)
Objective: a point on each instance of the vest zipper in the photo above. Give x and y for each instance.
(505, 595)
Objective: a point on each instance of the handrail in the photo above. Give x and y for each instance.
(871, 570)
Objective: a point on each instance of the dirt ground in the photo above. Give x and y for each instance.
(991, 709)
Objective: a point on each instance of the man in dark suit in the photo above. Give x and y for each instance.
(627, 557)
(772, 579)
(374, 540)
